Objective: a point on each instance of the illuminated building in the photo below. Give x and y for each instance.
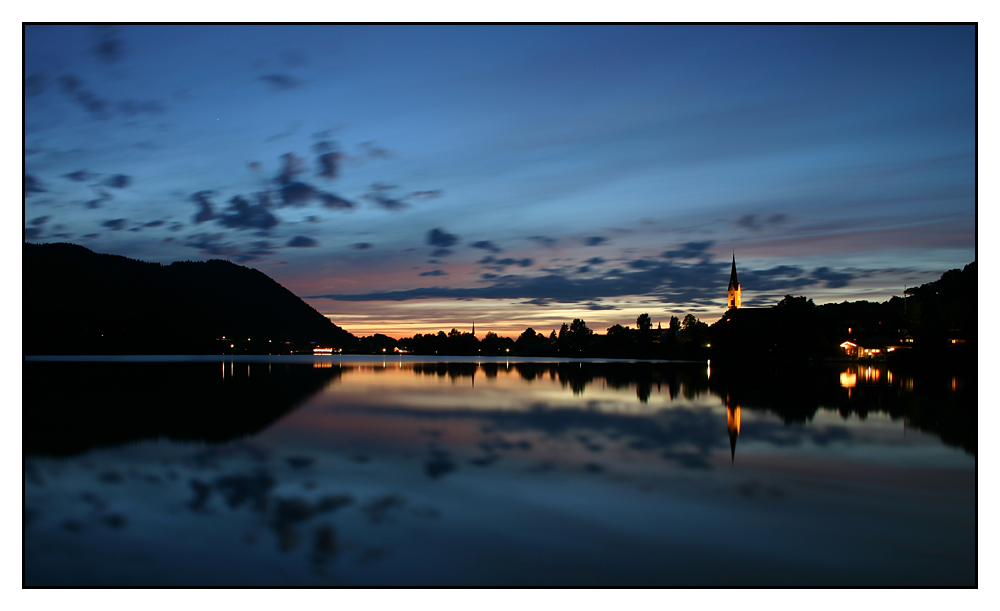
(872, 348)
(735, 299)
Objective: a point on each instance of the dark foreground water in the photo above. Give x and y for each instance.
(327, 471)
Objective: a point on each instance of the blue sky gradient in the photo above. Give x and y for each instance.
(412, 178)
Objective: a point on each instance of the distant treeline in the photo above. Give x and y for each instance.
(680, 340)
(937, 320)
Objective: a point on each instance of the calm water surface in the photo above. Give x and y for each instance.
(359, 471)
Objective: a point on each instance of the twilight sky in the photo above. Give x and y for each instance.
(410, 178)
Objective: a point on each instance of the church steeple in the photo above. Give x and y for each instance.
(734, 295)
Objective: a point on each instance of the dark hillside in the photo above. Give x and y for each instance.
(80, 302)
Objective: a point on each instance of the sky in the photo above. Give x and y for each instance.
(405, 179)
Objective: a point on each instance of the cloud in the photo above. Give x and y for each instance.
(373, 151)
(441, 238)
(280, 82)
(153, 224)
(335, 201)
(703, 282)
(833, 279)
(436, 272)
(40, 220)
(594, 261)
(440, 252)
(210, 244)
(291, 166)
(642, 264)
(259, 249)
(700, 283)
(32, 185)
(594, 240)
(361, 246)
(379, 196)
(328, 165)
(301, 241)
(487, 245)
(80, 176)
(73, 88)
(205, 212)
(109, 46)
(104, 196)
(241, 214)
(118, 181)
(430, 194)
(34, 85)
(690, 250)
(493, 263)
(114, 224)
(298, 194)
(779, 278)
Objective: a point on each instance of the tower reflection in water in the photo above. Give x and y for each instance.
(732, 425)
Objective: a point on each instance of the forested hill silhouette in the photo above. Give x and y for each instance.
(79, 302)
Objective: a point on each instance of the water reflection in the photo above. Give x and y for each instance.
(70, 407)
(339, 471)
(733, 426)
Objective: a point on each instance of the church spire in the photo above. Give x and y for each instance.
(734, 296)
(734, 282)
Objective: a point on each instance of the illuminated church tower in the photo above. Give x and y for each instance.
(735, 300)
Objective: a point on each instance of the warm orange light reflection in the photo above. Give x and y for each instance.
(733, 419)
(848, 379)
(733, 426)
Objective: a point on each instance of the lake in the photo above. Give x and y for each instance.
(364, 471)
